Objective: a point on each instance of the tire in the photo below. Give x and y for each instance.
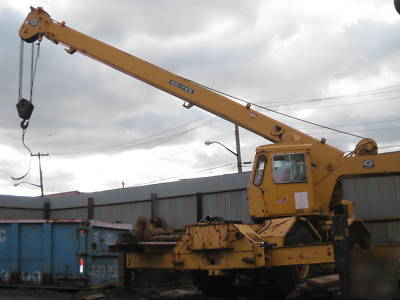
(287, 278)
(359, 237)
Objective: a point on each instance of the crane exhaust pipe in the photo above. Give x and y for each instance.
(397, 5)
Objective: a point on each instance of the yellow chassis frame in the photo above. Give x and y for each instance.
(219, 246)
(230, 259)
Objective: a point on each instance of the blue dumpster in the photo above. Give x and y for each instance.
(71, 253)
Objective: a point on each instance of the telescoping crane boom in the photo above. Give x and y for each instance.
(38, 24)
(325, 159)
(294, 188)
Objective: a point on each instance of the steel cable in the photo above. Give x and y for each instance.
(280, 113)
(34, 60)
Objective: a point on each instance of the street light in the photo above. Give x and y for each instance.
(215, 142)
(34, 184)
(238, 157)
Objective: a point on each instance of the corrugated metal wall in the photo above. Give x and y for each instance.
(183, 202)
(15, 207)
(178, 211)
(231, 206)
(126, 213)
(178, 202)
(377, 201)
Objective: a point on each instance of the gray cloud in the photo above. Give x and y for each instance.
(261, 51)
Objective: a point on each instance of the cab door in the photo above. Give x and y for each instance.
(291, 184)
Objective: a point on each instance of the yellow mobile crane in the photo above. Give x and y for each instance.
(294, 189)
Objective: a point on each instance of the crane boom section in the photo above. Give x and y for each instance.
(38, 24)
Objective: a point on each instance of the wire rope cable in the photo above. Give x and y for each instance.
(33, 67)
(281, 113)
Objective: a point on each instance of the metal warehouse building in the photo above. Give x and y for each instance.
(182, 202)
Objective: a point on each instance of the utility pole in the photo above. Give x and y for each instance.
(39, 155)
(238, 154)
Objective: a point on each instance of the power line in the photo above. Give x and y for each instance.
(356, 124)
(184, 175)
(342, 125)
(384, 147)
(392, 146)
(374, 101)
(282, 114)
(351, 95)
(191, 149)
(170, 137)
(141, 141)
(172, 153)
(363, 130)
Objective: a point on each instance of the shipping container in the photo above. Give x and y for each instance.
(60, 253)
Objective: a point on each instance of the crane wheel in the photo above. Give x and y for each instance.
(303, 272)
(287, 278)
(359, 236)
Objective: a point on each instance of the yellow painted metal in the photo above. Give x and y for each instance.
(274, 231)
(249, 233)
(230, 260)
(275, 200)
(282, 199)
(233, 246)
(223, 260)
(206, 246)
(324, 182)
(302, 255)
(216, 247)
(217, 236)
(325, 164)
(178, 86)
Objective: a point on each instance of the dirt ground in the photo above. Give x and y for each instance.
(187, 292)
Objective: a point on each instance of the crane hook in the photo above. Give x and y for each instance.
(24, 124)
(25, 109)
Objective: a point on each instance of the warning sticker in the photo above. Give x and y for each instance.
(301, 200)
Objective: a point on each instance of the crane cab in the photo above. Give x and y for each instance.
(281, 183)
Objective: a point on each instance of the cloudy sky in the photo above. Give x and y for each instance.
(102, 128)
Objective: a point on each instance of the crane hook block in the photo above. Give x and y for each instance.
(25, 109)
(397, 5)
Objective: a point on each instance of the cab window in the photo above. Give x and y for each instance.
(259, 172)
(288, 168)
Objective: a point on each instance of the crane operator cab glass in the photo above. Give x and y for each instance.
(287, 168)
(259, 173)
(282, 184)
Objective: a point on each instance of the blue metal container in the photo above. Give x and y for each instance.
(70, 253)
